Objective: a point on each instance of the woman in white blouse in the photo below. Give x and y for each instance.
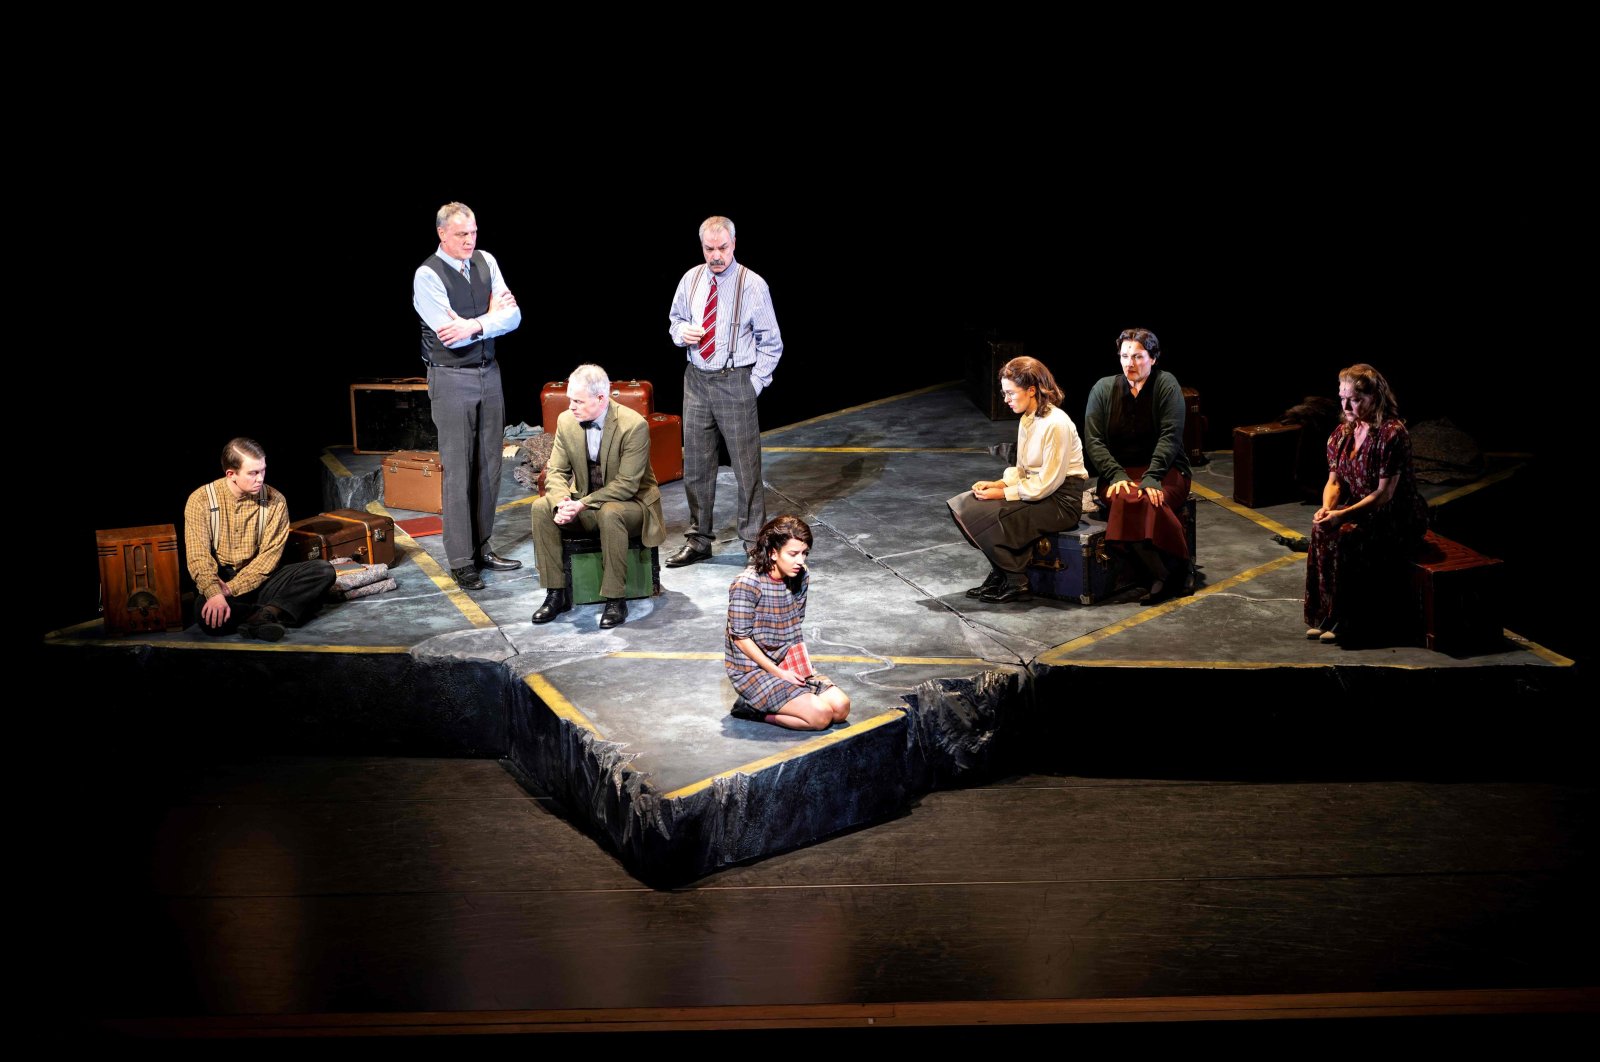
(1043, 493)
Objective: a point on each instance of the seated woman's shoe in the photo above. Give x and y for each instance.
(1006, 593)
(994, 582)
(1157, 592)
(1313, 632)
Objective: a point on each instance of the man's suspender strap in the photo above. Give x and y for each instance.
(213, 520)
(738, 296)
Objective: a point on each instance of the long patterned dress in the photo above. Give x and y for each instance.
(1356, 570)
(767, 612)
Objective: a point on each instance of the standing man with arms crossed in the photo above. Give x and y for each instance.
(464, 304)
(722, 312)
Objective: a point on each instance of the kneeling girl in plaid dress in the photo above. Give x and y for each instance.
(764, 656)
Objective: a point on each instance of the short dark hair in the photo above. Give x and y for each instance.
(1142, 336)
(1028, 372)
(238, 451)
(773, 534)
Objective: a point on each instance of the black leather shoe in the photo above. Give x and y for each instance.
(615, 613)
(1006, 593)
(687, 555)
(466, 578)
(555, 603)
(994, 582)
(265, 624)
(742, 709)
(490, 561)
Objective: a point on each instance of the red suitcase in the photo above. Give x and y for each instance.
(1458, 593)
(1194, 427)
(139, 579)
(367, 537)
(1265, 458)
(637, 395)
(666, 446)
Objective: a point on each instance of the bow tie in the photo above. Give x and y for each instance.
(588, 425)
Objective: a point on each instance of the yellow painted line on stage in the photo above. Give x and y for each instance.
(66, 632)
(833, 737)
(336, 466)
(233, 647)
(874, 450)
(865, 405)
(1547, 655)
(1474, 486)
(905, 661)
(1244, 511)
(558, 704)
(1166, 607)
(503, 506)
(430, 567)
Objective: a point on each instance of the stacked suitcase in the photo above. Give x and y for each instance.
(666, 430)
(414, 479)
(1265, 458)
(1077, 566)
(342, 533)
(1458, 592)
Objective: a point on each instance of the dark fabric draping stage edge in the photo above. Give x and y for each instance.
(1187, 721)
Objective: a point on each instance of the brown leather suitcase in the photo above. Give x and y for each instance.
(393, 414)
(1458, 593)
(637, 395)
(1194, 427)
(139, 579)
(414, 479)
(366, 537)
(666, 446)
(1265, 457)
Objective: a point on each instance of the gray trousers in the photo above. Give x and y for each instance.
(615, 522)
(470, 413)
(721, 403)
(1006, 530)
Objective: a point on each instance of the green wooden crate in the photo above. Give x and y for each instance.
(580, 557)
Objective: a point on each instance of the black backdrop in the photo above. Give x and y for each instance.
(213, 292)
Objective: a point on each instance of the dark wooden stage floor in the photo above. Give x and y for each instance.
(404, 896)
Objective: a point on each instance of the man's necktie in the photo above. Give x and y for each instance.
(466, 270)
(708, 342)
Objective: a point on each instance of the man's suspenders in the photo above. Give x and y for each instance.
(738, 295)
(214, 521)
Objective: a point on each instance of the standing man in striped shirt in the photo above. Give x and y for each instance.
(722, 314)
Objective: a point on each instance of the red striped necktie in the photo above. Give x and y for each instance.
(708, 342)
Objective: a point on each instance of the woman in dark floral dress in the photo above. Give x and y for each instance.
(1371, 521)
(764, 656)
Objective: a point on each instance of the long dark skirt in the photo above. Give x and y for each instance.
(1133, 519)
(1006, 530)
(1358, 578)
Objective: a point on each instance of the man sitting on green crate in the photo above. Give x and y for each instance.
(599, 482)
